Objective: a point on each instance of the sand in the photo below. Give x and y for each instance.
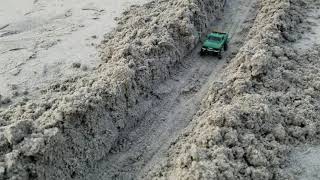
(266, 105)
(43, 41)
(154, 109)
(304, 160)
(84, 117)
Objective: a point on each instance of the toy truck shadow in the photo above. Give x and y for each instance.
(216, 43)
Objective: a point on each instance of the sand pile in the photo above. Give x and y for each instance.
(267, 103)
(77, 122)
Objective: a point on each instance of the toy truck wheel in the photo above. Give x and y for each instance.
(202, 53)
(220, 54)
(224, 3)
(226, 47)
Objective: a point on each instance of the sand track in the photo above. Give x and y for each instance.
(175, 102)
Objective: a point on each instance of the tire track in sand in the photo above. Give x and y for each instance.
(175, 102)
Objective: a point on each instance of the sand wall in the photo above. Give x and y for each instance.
(77, 122)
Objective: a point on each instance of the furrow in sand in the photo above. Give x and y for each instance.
(177, 100)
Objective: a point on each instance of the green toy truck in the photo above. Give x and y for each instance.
(215, 43)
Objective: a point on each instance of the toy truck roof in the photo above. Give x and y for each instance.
(218, 34)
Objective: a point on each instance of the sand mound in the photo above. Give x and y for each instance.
(77, 122)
